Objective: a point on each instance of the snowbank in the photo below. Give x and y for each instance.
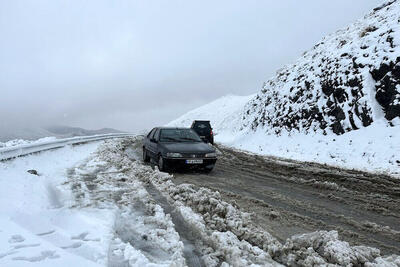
(19, 142)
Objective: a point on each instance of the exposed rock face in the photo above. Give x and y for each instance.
(34, 172)
(388, 88)
(347, 81)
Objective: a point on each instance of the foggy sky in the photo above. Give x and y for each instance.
(136, 64)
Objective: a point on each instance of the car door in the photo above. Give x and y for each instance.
(153, 143)
(147, 142)
(147, 138)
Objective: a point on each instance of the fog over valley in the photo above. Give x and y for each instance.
(131, 65)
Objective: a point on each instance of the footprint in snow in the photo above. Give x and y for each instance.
(73, 245)
(82, 237)
(2, 255)
(26, 246)
(46, 233)
(47, 254)
(16, 239)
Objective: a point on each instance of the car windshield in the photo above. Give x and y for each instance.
(202, 125)
(179, 135)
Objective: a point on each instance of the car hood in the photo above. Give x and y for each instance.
(198, 147)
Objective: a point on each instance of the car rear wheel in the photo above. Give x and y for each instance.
(146, 157)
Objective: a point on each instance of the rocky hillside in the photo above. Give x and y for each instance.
(347, 81)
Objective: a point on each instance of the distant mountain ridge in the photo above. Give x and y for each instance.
(33, 133)
(77, 131)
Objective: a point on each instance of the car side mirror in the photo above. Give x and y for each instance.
(153, 140)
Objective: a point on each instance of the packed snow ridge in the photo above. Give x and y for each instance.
(338, 104)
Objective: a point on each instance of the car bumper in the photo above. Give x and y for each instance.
(207, 139)
(181, 162)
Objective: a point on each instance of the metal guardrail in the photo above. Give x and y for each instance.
(22, 150)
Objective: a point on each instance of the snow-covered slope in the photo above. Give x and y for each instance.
(338, 104)
(374, 148)
(347, 81)
(222, 113)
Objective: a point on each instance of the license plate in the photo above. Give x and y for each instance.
(194, 161)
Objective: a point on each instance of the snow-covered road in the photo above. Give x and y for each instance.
(38, 224)
(99, 205)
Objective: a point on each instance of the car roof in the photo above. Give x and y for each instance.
(173, 128)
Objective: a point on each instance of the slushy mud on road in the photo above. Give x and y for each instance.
(286, 197)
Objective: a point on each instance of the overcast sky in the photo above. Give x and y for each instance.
(135, 64)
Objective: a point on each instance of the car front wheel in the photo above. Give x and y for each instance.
(161, 164)
(208, 169)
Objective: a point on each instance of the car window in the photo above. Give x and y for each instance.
(157, 135)
(151, 133)
(179, 135)
(202, 125)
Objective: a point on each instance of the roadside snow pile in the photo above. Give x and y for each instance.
(230, 231)
(142, 234)
(18, 142)
(338, 104)
(224, 228)
(320, 248)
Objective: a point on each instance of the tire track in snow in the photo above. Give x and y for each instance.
(191, 253)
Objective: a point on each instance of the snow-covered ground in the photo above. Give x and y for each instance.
(99, 205)
(374, 148)
(77, 212)
(37, 226)
(19, 142)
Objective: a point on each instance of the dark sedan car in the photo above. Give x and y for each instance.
(177, 148)
(204, 130)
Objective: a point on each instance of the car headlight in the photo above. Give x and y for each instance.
(174, 155)
(211, 155)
